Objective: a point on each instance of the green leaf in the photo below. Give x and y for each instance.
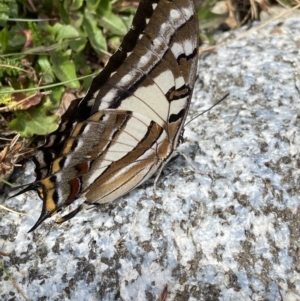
(128, 21)
(210, 20)
(64, 14)
(66, 32)
(35, 120)
(113, 23)
(76, 19)
(8, 9)
(56, 96)
(13, 9)
(108, 20)
(6, 99)
(16, 40)
(205, 14)
(105, 6)
(61, 32)
(48, 76)
(71, 5)
(92, 4)
(95, 35)
(64, 68)
(206, 38)
(79, 44)
(114, 43)
(3, 40)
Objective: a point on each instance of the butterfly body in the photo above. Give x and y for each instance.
(128, 125)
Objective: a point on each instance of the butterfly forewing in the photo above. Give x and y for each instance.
(138, 105)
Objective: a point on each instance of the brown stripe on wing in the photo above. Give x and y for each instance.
(109, 166)
(115, 123)
(79, 160)
(182, 92)
(75, 187)
(121, 176)
(102, 133)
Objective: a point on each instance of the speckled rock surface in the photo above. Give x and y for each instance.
(232, 233)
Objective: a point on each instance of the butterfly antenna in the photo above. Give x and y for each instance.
(223, 98)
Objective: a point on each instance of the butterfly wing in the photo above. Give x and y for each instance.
(138, 104)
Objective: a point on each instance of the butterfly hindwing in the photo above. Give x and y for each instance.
(126, 149)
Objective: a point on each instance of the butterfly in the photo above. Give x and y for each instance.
(128, 125)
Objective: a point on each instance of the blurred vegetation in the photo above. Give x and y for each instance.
(50, 49)
(46, 47)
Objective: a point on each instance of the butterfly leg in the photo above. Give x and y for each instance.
(69, 215)
(193, 167)
(156, 180)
